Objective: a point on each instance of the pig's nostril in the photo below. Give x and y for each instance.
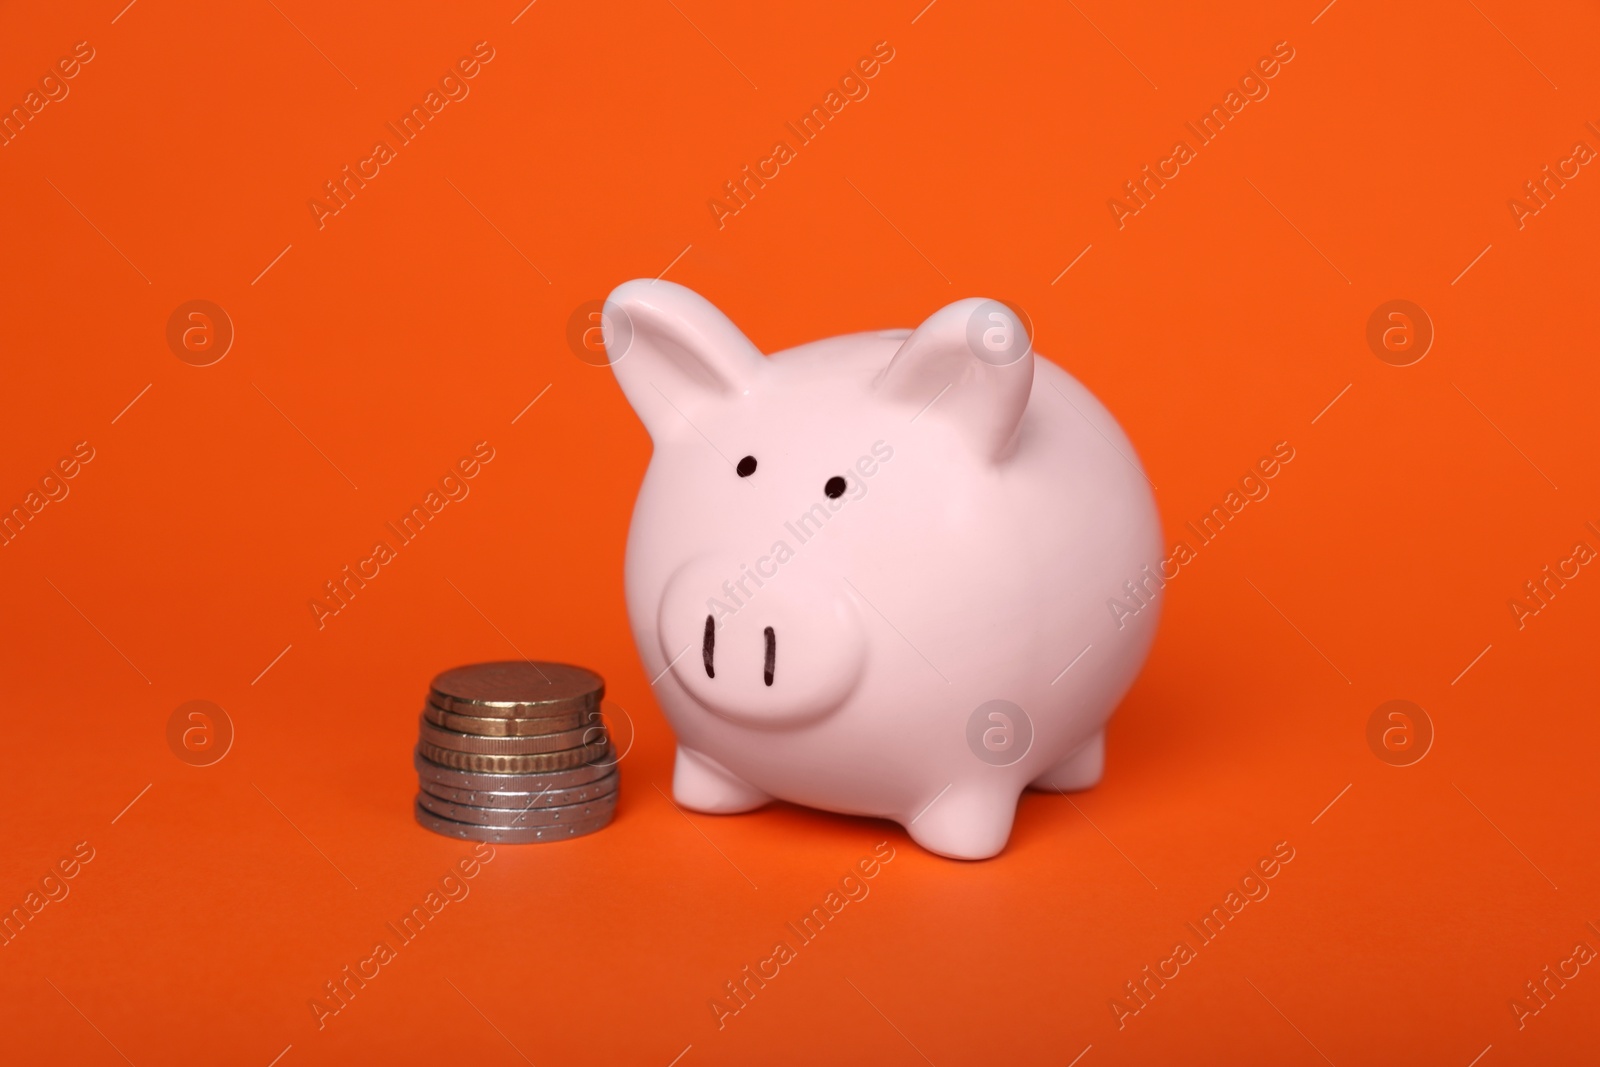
(708, 647)
(772, 655)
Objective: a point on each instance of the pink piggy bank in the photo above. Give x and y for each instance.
(871, 574)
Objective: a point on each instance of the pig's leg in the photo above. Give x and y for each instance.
(700, 783)
(966, 822)
(1080, 770)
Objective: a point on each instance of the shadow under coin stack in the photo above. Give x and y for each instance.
(515, 752)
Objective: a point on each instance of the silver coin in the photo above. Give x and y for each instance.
(510, 726)
(514, 818)
(520, 688)
(532, 782)
(467, 831)
(544, 797)
(509, 746)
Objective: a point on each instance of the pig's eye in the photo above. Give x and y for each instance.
(835, 487)
(746, 467)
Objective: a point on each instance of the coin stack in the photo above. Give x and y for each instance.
(515, 752)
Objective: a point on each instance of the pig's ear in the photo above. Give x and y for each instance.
(674, 353)
(969, 365)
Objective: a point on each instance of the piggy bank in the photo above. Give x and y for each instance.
(877, 574)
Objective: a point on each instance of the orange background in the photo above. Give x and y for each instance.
(1222, 319)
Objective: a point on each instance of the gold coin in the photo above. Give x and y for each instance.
(473, 724)
(524, 782)
(531, 763)
(509, 746)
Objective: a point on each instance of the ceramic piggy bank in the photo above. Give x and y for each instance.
(871, 574)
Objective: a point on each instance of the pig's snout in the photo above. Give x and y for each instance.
(773, 651)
